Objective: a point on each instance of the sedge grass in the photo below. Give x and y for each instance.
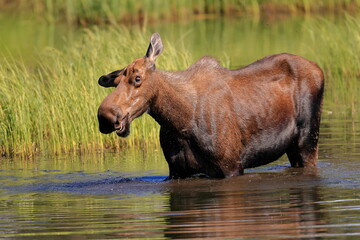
(337, 50)
(52, 107)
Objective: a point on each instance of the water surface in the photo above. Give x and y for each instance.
(105, 196)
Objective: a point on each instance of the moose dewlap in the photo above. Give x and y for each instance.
(217, 121)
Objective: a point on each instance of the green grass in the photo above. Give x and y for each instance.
(50, 107)
(337, 50)
(115, 11)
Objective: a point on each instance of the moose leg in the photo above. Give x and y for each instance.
(303, 155)
(179, 156)
(303, 151)
(230, 168)
(172, 153)
(294, 156)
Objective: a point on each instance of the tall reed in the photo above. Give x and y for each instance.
(52, 107)
(335, 46)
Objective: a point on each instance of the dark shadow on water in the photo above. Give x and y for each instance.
(86, 183)
(113, 183)
(110, 183)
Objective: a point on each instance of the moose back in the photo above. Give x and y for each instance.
(217, 121)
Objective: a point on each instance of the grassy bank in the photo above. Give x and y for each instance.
(125, 11)
(52, 107)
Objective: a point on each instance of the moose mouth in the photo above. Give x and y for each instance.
(122, 128)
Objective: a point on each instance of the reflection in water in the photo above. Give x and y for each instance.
(275, 202)
(246, 208)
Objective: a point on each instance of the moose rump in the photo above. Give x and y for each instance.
(218, 121)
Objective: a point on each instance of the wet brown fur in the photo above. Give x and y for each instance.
(218, 121)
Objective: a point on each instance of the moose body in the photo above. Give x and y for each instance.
(217, 121)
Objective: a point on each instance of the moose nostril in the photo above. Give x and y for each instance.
(117, 125)
(104, 125)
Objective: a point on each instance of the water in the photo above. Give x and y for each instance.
(24, 38)
(124, 195)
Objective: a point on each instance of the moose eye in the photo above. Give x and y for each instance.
(137, 81)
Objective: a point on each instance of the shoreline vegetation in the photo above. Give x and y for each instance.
(85, 12)
(50, 107)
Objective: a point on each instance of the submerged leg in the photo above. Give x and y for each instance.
(303, 151)
(172, 152)
(179, 156)
(302, 155)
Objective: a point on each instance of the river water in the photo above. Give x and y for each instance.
(124, 195)
(105, 196)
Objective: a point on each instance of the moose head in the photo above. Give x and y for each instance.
(133, 91)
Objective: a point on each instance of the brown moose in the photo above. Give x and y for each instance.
(217, 121)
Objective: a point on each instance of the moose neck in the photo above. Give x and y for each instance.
(171, 106)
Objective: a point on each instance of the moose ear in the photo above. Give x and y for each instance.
(155, 47)
(111, 79)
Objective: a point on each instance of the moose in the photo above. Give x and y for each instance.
(216, 121)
